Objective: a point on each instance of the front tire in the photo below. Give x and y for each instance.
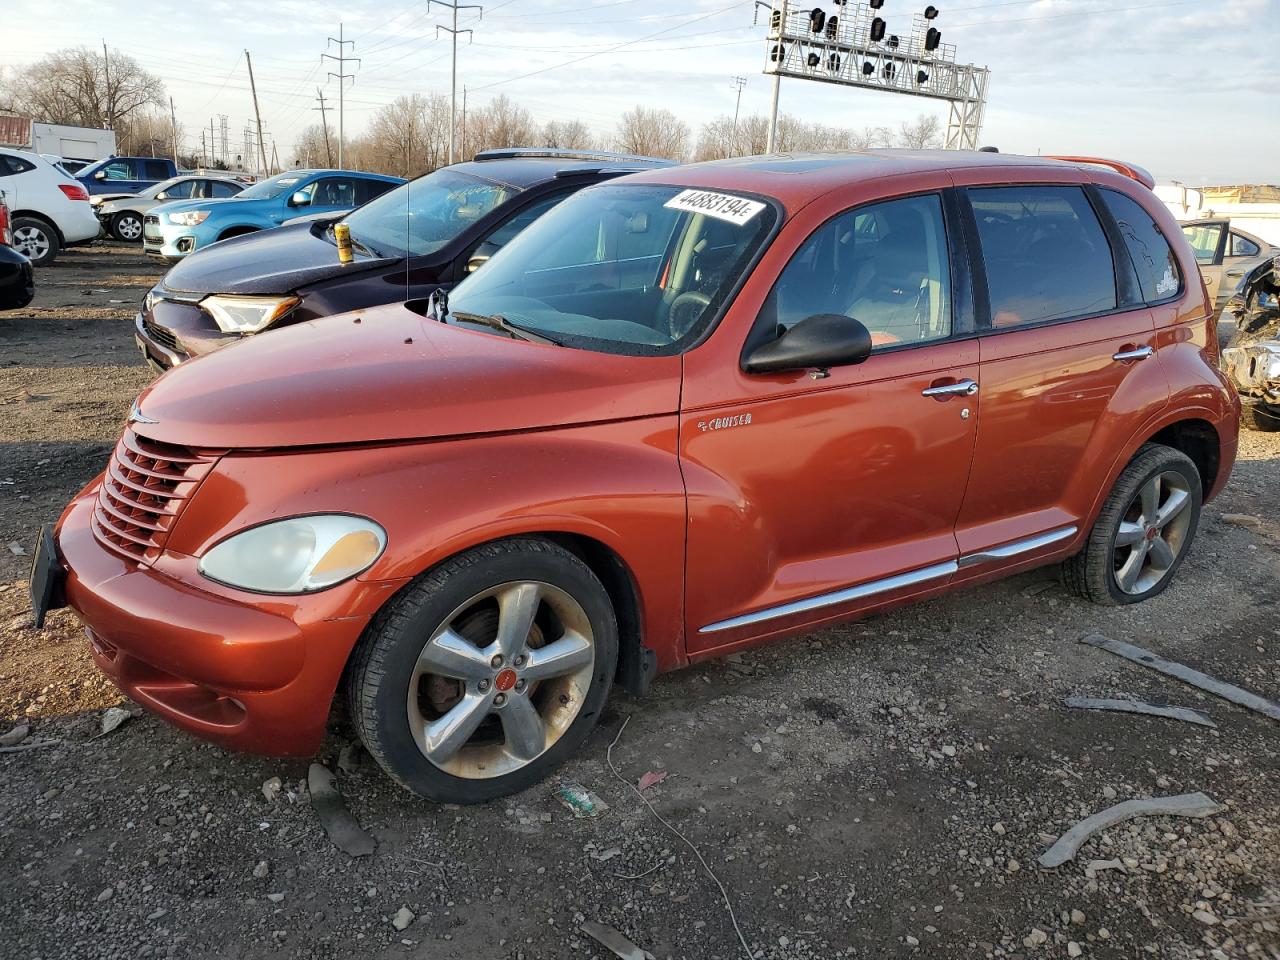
(1143, 532)
(487, 672)
(36, 240)
(127, 227)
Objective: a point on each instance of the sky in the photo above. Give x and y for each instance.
(1188, 89)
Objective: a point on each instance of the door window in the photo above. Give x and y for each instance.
(1046, 255)
(1243, 247)
(334, 192)
(222, 189)
(1152, 257)
(367, 190)
(118, 170)
(505, 233)
(1204, 239)
(182, 190)
(156, 170)
(885, 265)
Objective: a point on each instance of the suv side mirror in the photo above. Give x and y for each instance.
(300, 199)
(100, 175)
(822, 341)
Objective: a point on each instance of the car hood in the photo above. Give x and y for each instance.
(389, 374)
(275, 261)
(136, 204)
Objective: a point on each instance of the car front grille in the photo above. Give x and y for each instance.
(146, 485)
(160, 335)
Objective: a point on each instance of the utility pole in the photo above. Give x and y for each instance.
(106, 79)
(342, 76)
(464, 118)
(211, 141)
(778, 16)
(738, 82)
(204, 162)
(453, 31)
(262, 150)
(173, 128)
(324, 123)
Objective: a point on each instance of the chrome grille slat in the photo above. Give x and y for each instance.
(144, 488)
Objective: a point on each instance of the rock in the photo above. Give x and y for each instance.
(1207, 917)
(271, 789)
(404, 916)
(998, 829)
(261, 870)
(911, 941)
(157, 913)
(1074, 949)
(755, 747)
(105, 895)
(1077, 917)
(948, 750)
(1013, 866)
(1035, 938)
(15, 736)
(275, 897)
(1108, 793)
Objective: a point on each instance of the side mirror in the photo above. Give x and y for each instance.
(480, 256)
(100, 175)
(822, 341)
(300, 199)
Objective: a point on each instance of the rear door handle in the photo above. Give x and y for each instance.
(964, 388)
(1137, 353)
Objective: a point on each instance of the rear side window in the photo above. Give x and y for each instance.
(221, 189)
(1150, 252)
(156, 170)
(1243, 247)
(367, 190)
(1046, 255)
(12, 166)
(885, 264)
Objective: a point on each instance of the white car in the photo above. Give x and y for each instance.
(50, 210)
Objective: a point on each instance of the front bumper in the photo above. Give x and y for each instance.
(169, 331)
(250, 673)
(167, 241)
(17, 281)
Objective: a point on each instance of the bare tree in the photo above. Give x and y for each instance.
(654, 132)
(567, 135)
(71, 86)
(309, 148)
(924, 133)
(500, 123)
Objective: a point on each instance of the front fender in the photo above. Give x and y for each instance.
(616, 483)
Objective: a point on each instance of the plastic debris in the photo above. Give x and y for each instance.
(17, 549)
(651, 779)
(603, 855)
(112, 718)
(1205, 682)
(616, 942)
(343, 829)
(1198, 717)
(584, 804)
(1183, 805)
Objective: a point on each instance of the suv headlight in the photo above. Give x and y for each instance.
(189, 218)
(247, 314)
(298, 555)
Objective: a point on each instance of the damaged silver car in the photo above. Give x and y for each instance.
(1251, 357)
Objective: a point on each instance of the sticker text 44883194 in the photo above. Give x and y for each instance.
(722, 206)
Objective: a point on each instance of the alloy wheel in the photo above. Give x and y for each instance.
(31, 242)
(1152, 533)
(501, 680)
(129, 228)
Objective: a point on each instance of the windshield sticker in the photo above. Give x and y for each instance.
(722, 206)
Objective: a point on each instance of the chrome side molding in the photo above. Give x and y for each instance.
(1018, 546)
(934, 572)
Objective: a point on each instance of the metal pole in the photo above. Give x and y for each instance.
(324, 124)
(738, 82)
(262, 150)
(342, 99)
(173, 128)
(773, 115)
(453, 89)
(106, 79)
(211, 141)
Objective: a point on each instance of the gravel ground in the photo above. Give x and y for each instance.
(881, 789)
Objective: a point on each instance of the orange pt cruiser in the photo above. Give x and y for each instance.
(686, 412)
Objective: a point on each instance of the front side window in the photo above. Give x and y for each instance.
(426, 214)
(885, 265)
(635, 269)
(367, 190)
(1153, 259)
(1204, 239)
(221, 189)
(118, 170)
(1045, 252)
(176, 190)
(1243, 247)
(334, 192)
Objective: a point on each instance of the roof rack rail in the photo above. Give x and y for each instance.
(1130, 170)
(555, 153)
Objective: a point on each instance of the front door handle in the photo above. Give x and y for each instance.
(1136, 353)
(964, 388)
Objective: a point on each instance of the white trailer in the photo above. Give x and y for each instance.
(74, 143)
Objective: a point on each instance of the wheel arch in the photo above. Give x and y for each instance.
(238, 231)
(36, 215)
(1199, 440)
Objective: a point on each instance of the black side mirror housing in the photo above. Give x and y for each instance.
(480, 256)
(820, 342)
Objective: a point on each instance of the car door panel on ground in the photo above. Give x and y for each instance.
(1068, 336)
(849, 483)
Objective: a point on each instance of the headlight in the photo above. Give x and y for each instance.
(189, 218)
(247, 314)
(299, 555)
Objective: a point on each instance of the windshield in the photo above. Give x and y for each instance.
(622, 268)
(426, 214)
(272, 186)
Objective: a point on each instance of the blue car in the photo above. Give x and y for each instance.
(171, 231)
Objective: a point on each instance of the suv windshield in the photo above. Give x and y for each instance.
(621, 268)
(424, 215)
(272, 186)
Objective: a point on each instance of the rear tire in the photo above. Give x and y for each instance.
(36, 239)
(1143, 533)
(486, 673)
(127, 226)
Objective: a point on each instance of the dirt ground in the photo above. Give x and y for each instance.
(878, 790)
